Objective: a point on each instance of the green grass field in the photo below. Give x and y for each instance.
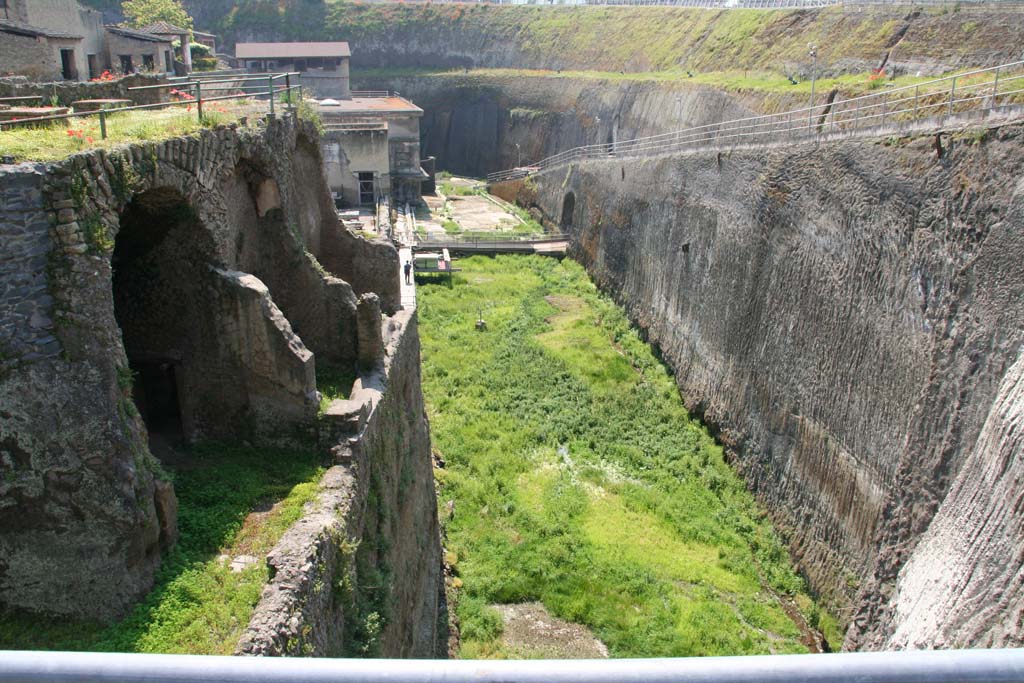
(579, 479)
(198, 606)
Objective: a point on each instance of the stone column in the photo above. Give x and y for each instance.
(186, 51)
(370, 342)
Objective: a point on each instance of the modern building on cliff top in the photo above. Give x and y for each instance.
(371, 142)
(371, 147)
(324, 66)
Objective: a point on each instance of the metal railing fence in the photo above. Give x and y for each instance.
(943, 666)
(497, 238)
(192, 93)
(900, 109)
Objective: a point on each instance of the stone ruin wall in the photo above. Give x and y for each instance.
(375, 505)
(220, 255)
(850, 319)
(67, 92)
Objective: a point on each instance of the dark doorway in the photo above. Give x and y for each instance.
(126, 63)
(168, 61)
(67, 65)
(156, 394)
(94, 66)
(148, 63)
(366, 193)
(161, 265)
(568, 208)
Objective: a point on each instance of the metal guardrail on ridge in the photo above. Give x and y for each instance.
(942, 666)
(931, 102)
(191, 95)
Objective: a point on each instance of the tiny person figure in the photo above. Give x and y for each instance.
(408, 271)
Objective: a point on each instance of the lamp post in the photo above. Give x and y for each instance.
(813, 52)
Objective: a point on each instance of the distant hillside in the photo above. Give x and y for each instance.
(629, 39)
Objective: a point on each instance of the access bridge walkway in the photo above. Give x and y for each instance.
(553, 245)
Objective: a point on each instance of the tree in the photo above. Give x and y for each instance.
(142, 13)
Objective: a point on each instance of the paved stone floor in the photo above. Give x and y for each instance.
(408, 290)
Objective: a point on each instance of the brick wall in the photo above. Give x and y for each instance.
(122, 45)
(31, 57)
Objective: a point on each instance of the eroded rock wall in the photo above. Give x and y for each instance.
(845, 316)
(360, 574)
(183, 262)
(639, 39)
(473, 123)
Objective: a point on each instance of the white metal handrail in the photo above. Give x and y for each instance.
(943, 666)
(975, 91)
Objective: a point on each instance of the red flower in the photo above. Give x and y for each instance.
(89, 140)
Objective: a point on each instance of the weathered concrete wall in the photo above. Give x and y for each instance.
(83, 516)
(844, 316)
(360, 574)
(348, 152)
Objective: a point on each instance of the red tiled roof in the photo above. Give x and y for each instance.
(165, 28)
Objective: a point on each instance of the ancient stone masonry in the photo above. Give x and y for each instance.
(66, 92)
(165, 289)
(850, 319)
(360, 573)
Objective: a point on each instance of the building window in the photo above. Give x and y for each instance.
(126, 64)
(94, 65)
(367, 195)
(148, 63)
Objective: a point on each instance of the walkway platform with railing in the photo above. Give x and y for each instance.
(555, 245)
(983, 96)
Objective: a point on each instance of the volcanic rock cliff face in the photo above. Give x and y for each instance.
(850, 318)
(630, 39)
(473, 124)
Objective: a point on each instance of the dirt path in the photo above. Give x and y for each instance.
(532, 633)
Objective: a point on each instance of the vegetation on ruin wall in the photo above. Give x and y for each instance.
(198, 605)
(64, 138)
(578, 478)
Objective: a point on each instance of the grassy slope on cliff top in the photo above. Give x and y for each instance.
(579, 479)
(634, 38)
